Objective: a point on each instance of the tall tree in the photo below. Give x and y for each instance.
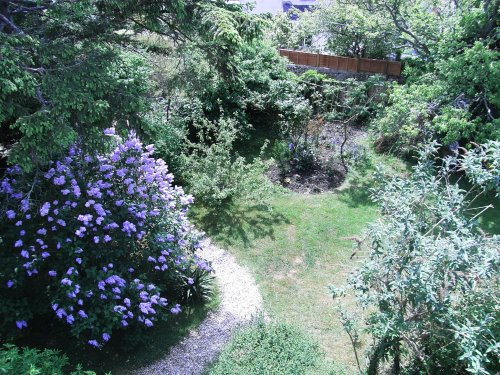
(69, 69)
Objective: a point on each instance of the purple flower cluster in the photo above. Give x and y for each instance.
(103, 227)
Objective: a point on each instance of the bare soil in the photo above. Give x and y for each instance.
(328, 171)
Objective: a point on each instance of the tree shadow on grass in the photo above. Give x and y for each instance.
(489, 220)
(235, 223)
(357, 193)
(361, 179)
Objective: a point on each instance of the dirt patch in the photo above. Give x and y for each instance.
(314, 181)
(327, 171)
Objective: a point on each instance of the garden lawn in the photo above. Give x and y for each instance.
(302, 245)
(295, 251)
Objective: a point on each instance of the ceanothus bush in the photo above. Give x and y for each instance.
(99, 241)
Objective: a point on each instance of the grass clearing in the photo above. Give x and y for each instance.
(299, 247)
(295, 251)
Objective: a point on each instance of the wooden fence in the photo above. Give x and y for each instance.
(346, 64)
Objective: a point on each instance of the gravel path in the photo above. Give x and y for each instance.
(240, 302)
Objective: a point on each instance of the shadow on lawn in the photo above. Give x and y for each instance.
(233, 223)
(357, 193)
(361, 179)
(489, 220)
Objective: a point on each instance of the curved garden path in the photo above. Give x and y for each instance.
(240, 302)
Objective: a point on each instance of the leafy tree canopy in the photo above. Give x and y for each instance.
(69, 69)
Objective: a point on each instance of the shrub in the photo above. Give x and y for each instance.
(303, 156)
(216, 176)
(424, 111)
(195, 286)
(168, 133)
(352, 99)
(35, 362)
(482, 165)
(98, 241)
(429, 289)
(457, 101)
(272, 349)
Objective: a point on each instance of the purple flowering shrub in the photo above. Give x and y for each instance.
(100, 242)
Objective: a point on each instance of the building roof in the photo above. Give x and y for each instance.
(275, 6)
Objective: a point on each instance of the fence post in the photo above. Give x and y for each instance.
(317, 60)
(358, 64)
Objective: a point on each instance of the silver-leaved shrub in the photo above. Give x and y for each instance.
(428, 290)
(99, 242)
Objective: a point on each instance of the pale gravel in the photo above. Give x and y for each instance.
(240, 303)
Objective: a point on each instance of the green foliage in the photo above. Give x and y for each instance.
(203, 114)
(274, 349)
(452, 94)
(353, 30)
(352, 99)
(406, 121)
(65, 75)
(195, 286)
(482, 165)
(168, 133)
(296, 114)
(429, 289)
(457, 102)
(474, 73)
(35, 362)
(262, 84)
(347, 103)
(215, 176)
(107, 87)
(284, 32)
(259, 80)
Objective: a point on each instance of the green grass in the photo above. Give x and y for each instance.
(489, 220)
(299, 247)
(295, 251)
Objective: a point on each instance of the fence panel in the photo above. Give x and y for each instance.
(394, 68)
(347, 64)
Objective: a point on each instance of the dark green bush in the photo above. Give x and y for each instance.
(35, 362)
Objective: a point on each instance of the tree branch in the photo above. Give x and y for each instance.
(11, 24)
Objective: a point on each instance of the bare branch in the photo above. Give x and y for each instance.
(11, 24)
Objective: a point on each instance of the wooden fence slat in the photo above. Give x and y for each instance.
(341, 63)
